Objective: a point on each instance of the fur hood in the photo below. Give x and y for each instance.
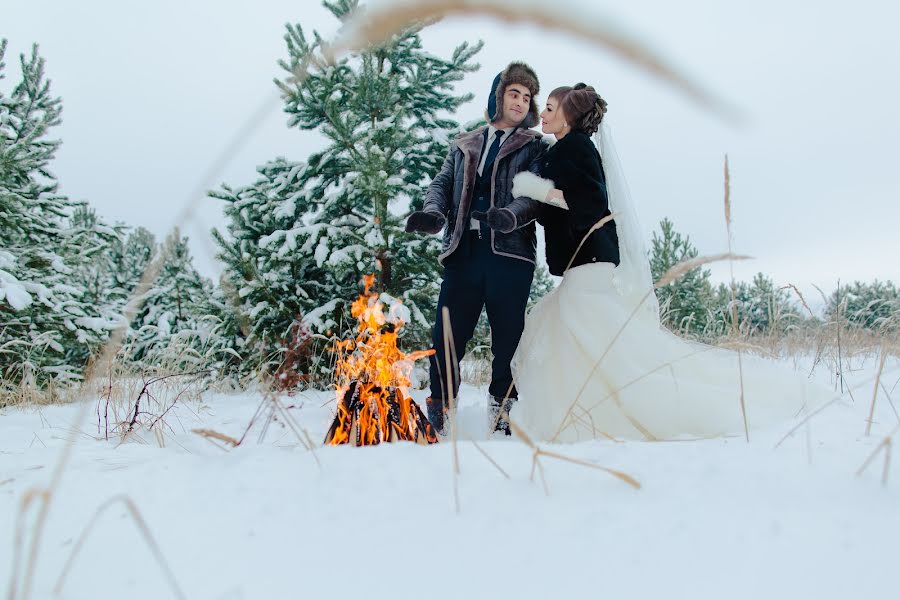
(516, 72)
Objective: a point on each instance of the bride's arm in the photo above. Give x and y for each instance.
(529, 185)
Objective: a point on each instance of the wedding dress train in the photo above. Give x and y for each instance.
(591, 366)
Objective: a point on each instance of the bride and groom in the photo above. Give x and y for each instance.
(590, 359)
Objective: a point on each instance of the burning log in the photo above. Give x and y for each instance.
(368, 415)
(373, 405)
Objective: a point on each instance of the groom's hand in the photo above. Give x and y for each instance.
(425, 222)
(501, 219)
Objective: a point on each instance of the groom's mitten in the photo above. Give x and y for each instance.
(425, 222)
(501, 219)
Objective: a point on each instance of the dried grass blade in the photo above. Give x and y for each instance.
(376, 25)
(145, 532)
(618, 474)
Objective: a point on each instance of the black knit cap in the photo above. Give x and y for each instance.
(516, 72)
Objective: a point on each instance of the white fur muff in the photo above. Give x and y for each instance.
(529, 185)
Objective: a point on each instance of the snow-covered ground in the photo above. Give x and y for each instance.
(270, 520)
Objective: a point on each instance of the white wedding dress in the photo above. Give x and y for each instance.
(594, 362)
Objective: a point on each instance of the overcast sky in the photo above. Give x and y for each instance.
(153, 91)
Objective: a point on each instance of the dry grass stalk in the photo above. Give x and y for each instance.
(644, 376)
(625, 477)
(488, 457)
(301, 434)
(145, 532)
(745, 345)
(673, 274)
(890, 401)
(839, 325)
(804, 421)
(678, 271)
(377, 25)
(886, 444)
(734, 314)
(728, 199)
(538, 452)
(270, 407)
(28, 498)
(215, 435)
(593, 228)
(800, 296)
(875, 391)
(502, 412)
(46, 496)
(449, 360)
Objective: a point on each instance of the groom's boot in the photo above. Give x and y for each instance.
(499, 411)
(437, 414)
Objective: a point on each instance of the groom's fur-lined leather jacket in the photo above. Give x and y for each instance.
(450, 193)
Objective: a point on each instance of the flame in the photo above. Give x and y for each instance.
(372, 378)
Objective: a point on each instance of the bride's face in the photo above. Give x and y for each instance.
(553, 121)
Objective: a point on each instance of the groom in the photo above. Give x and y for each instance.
(489, 240)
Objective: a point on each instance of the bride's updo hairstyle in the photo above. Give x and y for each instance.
(583, 107)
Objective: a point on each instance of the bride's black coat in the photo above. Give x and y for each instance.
(574, 165)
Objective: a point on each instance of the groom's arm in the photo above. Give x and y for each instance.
(440, 192)
(525, 209)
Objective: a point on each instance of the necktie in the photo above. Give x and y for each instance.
(482, 203)
(492, 152)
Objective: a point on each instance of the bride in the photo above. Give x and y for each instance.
(593, 361)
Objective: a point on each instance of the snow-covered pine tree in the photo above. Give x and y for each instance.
(685, 303)
(128, 260)
(873, 305)
(88, 248)
(269, 288)
(762, 308)
(46, 325)
(174, 329)
(301, 237)
(541, 285)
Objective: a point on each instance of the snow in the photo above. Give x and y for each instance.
(100, 325)
(267, 240)
(714, 519)
(398, 312)
(321, 252)
(260, 306)
(13, 291)
(7, 260)
(163, 326)
(58, 264)
(287, 208)
(319, 319)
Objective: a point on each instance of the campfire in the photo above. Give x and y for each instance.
(373, 403)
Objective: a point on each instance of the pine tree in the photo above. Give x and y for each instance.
(873, 305)
(541, 285)
(174, 328)
(684, 304)
(301, 237)
(93, 248)
(47, 327)
(128, 259)
(762, 308)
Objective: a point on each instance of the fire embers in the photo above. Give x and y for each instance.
(372, 379)
(366, 417)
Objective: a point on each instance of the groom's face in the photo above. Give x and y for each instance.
(516, 100)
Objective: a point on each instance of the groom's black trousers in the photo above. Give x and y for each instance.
(475, 277)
